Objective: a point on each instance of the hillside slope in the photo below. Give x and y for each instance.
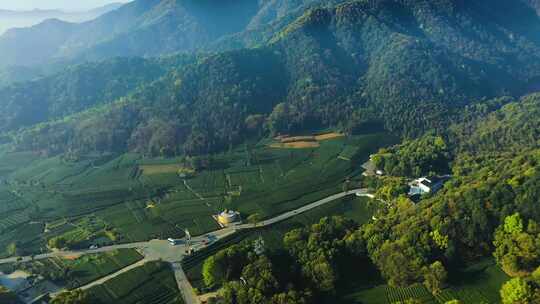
(402, 65)
(143, 28)
(17, 19)
(78, 88)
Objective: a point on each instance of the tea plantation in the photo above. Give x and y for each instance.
(105, 199)
(152, 283)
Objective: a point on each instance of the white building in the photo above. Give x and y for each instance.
(425, 185)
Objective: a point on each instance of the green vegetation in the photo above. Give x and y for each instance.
(79, 271)
(299, 274)
(475, 284)
(71, 297)
(7, 297)
(153, 282)
(226, 265)
(435, 70)
(522, 289)
(433, 242)
(73, 90)
(428, 155)
(106, 199)
(458, 225)
(339, 280)
(515, 291)
(131, 149)
(516, 248)
(361, 210)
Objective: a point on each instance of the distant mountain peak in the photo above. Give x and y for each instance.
(28, 18)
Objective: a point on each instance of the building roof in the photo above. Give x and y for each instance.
(228, 214)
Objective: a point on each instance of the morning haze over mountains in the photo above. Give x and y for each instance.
(23, 18)
(318, 151)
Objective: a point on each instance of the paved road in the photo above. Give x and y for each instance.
(73, 253)
(184, 285)
(306, 208)
(197, 241)
(161, 250)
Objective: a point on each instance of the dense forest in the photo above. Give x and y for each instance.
(74, 90)
(408, 67)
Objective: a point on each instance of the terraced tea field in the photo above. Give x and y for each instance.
(477, 284)
(136, 198)
(77, 271)
(153, 283)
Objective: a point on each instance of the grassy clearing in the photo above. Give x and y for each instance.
(153, 283)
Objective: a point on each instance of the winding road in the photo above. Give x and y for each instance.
(161, 249)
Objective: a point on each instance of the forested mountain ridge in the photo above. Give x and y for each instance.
(78, 88)
(405, 65)
(144, 28)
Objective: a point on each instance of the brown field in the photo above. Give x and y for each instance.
(298, 138)
(72, 257)
(328, 136)
(160, 169)
(303, 142)
(296, 145)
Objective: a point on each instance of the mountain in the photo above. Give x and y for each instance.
(145, 28)
(534, 4)
(78, 88)
(17, 19)
(11, 75)
(98, 11)
(408, 66)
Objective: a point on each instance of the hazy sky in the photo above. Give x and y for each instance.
(50, 4)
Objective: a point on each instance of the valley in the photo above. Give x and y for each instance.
(273, 152)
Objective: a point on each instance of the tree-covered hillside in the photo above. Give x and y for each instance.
(495, 175)
(78, 88)
(487, 209)
(407, 66)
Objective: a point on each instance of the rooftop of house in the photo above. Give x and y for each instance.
(428, 181)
